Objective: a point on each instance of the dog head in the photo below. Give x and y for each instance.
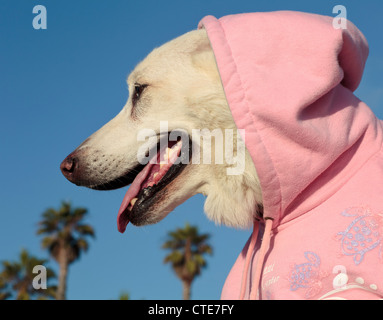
(159, 144)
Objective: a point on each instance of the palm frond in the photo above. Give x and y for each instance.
(85, 230)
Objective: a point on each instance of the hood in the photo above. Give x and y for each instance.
(289, 79)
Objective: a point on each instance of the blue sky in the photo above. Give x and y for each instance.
(59, 85)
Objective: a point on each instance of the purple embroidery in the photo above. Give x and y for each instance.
(307, 275)
(362, 235)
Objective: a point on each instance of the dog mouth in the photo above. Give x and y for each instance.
(153, 177)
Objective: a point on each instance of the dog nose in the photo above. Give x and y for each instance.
(68, 166)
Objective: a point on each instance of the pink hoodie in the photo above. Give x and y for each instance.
(289, 79)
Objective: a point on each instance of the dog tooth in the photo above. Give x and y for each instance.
(167, 153)
(162, 163)
(133, 201)
(172, 151)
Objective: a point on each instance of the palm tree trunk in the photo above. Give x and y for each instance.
(22, 294)
(63, 263)
(186, 292)
(186, 282)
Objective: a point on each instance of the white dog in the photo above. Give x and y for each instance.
(286, 80)
(158, 92)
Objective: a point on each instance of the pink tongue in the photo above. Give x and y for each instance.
(141, 181)
(122, 219)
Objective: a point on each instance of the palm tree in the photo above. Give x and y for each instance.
(18, 277)
(187, 254)
(66, 237)
(124, 295)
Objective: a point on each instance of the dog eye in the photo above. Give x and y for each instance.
(138, 89)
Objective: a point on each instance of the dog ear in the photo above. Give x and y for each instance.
(202, 56)
(203, 43)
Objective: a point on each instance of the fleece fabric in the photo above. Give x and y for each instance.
(289, 79)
